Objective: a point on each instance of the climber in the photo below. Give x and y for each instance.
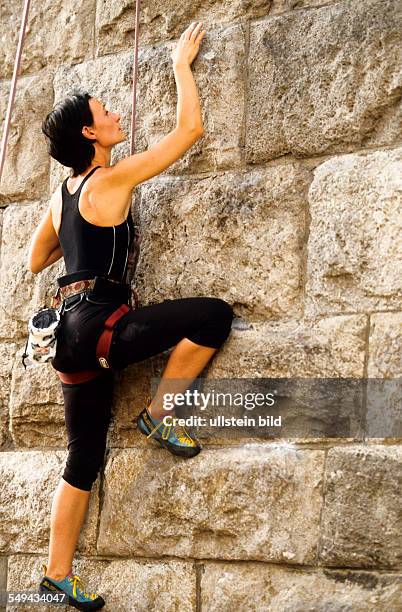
(89, 223)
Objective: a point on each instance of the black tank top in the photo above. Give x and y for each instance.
(105, 251)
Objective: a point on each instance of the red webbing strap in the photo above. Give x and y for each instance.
(7, 119)
(135, 73)
(102, 351)
(105, 339)
(72, 378)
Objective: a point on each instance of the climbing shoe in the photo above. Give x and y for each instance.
(73, 587)
(175, 438)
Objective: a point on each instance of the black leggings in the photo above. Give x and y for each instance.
(138, 335)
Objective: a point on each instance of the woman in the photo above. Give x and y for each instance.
(89, 223)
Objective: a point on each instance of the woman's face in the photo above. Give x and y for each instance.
(106, 128)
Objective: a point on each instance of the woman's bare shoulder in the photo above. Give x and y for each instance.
(102, 202)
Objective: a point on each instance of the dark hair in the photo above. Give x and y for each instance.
(63, 126)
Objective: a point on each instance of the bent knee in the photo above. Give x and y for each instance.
(222, 315)
(222, 310)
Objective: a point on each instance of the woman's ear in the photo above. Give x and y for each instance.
(87, 132)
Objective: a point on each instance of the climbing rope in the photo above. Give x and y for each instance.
(13, 84)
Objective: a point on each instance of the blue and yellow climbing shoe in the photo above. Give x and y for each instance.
(73, 587)
(175, 438)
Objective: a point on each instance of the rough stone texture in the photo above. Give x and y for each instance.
(384, 408)
(385, 357)
(330, 347)
(141, 585)
(7, 354)
(354, 247)
(132, 388)
(21, 292)
(36, 406)
(384, 397)
(241, 238)
(259, 503)
(27, 485)
(362, 517)
(3, 578)
(26, 167)
(115, 22)
(42, 48)
(325, 80)
(280, 6)
(267, 588)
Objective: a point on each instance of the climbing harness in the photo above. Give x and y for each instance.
(43, 325)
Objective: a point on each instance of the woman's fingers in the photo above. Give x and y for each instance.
(192, 31)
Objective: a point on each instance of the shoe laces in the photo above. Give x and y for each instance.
(179, 430)
(77, 583)
(182, 435)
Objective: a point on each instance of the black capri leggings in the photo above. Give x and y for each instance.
(138, 335)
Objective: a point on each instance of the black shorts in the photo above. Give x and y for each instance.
(138, 335)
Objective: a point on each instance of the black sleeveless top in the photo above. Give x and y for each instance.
(105, 251)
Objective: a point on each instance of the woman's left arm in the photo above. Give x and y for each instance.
(45, 247)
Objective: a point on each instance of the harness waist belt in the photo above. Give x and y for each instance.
(99, 287)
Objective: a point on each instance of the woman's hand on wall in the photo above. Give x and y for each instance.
(189, 44)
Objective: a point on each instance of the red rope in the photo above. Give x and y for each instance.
(135, 70)
(13, 85)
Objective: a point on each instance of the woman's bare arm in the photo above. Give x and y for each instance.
(45, 246)
(140, 167)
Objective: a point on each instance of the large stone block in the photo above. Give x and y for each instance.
(21, 292)
(323, 354)
(354, 247)
(140, 585)
(258, 503)
(325, 80)
(115, 21)
(331, 347)
(36, 406)
(267, 588)
(26, 168)
(28, 481)
(7, 356)
(57, 32)
(362, 518)
(238, 236)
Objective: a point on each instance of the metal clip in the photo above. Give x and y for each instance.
(103, 362)
(56, 299)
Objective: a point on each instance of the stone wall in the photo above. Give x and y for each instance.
(289, 208)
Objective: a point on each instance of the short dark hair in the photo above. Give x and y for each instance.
(63, 125)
